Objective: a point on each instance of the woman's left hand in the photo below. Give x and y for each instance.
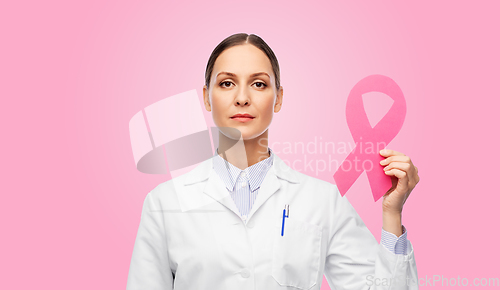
(404, 177)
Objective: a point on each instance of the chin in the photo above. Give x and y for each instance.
(245, 132)
(249, 135)
(237, 132)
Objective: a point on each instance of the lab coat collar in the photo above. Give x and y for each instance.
(217, 191)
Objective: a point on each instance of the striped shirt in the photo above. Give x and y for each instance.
(243, 186)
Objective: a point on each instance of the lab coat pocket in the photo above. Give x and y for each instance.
(296, 254)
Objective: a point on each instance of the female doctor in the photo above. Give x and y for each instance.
(245, 220)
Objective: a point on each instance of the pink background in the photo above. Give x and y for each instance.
(73, 74)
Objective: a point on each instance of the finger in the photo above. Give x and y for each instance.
(399, 165)
(389, 152)
(400, 158)
(412, 175)
(402, 178)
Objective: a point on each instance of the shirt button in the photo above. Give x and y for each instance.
(243, 184)
(245, 273)
(244, 217)
(243, 173)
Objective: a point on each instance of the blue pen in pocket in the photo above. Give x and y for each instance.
(286, 212)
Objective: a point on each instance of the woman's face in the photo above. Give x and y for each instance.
(243, 82)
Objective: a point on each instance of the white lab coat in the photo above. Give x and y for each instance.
(191, 228)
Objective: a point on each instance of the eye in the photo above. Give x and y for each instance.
(225, 84)
(260, 85)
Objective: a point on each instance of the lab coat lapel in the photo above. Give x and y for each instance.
(202, 189)
(271, 183)
(215, 188)
(268, 187)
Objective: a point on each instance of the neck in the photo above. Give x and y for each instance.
(243, 153)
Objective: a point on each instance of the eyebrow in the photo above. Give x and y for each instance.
(252, 75)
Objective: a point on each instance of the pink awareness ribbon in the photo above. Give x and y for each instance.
(370, 140)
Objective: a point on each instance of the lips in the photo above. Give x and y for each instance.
(243, 116)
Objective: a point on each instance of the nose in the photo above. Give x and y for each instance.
(242, 98)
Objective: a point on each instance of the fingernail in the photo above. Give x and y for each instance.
(382, 151)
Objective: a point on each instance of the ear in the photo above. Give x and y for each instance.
(279, 100)
(206, 99)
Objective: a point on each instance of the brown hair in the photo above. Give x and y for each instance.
(238, 39)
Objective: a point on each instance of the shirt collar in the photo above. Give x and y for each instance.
(229, 173)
